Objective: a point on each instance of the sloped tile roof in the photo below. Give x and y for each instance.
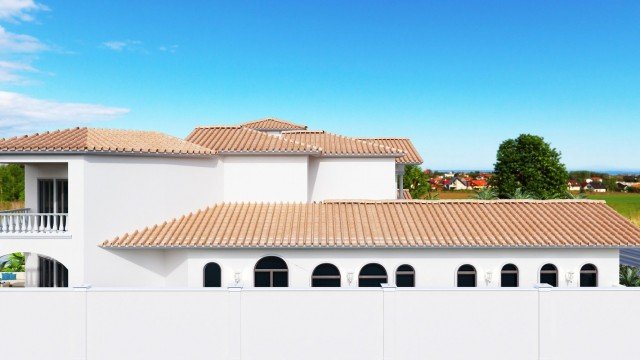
(91, 140)
(338, 145)
(411, 157)
(273, 124)
(399, 223)
(241, 140)
(406, 194)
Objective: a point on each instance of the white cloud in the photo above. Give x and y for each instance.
(18, 43)
(168, 48)
(11, 72)
(19, 10)
(119, 45)
(20, 113)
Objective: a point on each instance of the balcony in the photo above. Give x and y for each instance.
(22, 222)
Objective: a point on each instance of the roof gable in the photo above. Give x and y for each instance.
(93, 140)
(273, 124)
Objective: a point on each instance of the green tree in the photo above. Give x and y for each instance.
(629, 276)
(416, 181)
(530, 164)
(11, 182)
(13, 263)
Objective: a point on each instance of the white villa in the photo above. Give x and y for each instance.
(271, 203)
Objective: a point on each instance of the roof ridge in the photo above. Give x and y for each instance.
(272, 118)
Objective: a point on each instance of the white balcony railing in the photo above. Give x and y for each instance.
(21, 221)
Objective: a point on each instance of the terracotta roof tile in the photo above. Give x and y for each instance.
(338, 145)
(400, 223)
(273, 124)
(411, 157)
(90, 140)
(239, 140)
(406, 195)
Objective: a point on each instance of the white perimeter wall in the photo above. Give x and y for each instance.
(352, 178)
(265, 178)
(126, 193)
(435, 268)
(374, 323)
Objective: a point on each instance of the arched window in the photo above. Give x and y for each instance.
(509, 276)
(212, 274)
(549, 275)
(589, 276)
(325, 275)
(466, 276)
(271, 271)
(405, 276)
(372, 275)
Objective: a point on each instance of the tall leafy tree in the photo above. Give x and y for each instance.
(530, 164)
(417, 181)
(11, 182)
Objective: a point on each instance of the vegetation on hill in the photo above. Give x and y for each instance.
(528, 166)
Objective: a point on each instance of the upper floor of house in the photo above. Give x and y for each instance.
(76, 179)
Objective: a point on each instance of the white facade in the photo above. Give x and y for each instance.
(434, 268)
(110, 195)
(352, 178)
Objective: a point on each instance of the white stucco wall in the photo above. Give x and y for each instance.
(435, 268)
(265, 178)
(126, 193)
(352, 178)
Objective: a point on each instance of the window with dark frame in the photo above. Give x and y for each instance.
(325, 275)
(271, 271)
(405, 276)
(372, 275)
(549, 275)
(588, 276)
(466, 276)
(509, 276)
(212, 275)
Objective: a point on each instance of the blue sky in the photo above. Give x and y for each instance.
(458, 77)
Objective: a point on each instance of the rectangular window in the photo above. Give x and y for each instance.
(53, 196)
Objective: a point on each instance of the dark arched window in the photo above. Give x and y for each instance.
(589, 276)
(549, 275)
(325, 275)
(405, 276)
(372, 275)
(271, 271)
(509, 276)
(466, 276)
(212, 274)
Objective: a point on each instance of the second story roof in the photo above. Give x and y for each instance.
(338, 145)
(243, 140)
(411, 157)
(92, 140)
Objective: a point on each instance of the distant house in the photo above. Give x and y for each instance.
(596, 186)
(478, 183)
(573, 185)
(459, 183)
